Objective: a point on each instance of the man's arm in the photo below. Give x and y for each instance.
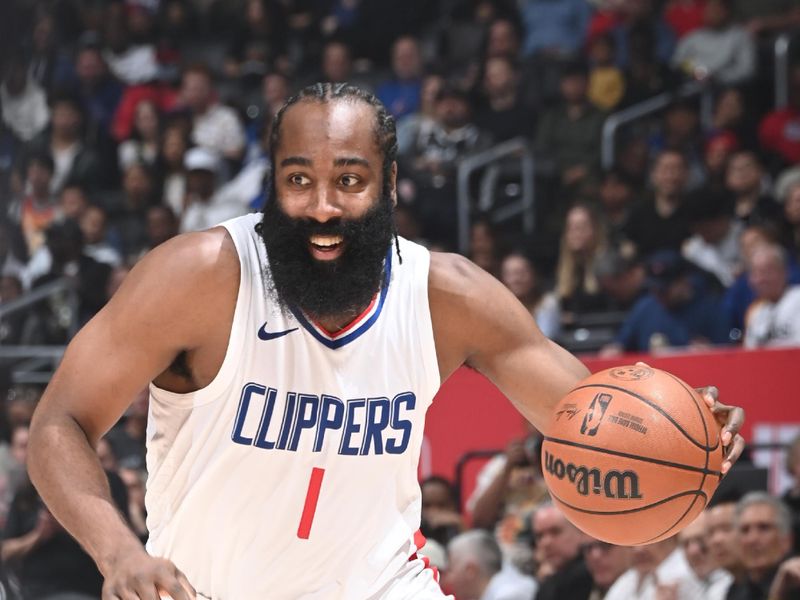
(174, 301)
(477, 321)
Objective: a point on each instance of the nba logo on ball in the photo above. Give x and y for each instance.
(640, 460)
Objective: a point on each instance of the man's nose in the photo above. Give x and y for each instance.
(324, 206)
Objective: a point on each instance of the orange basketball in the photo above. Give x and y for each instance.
(632, 455)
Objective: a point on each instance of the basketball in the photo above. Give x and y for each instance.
(632, 455)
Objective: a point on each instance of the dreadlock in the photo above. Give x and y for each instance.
(383, 128)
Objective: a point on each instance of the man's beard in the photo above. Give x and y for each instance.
(336, 288)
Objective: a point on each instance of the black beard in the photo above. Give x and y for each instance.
(338, 288)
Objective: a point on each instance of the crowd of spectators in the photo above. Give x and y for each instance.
(126, 122)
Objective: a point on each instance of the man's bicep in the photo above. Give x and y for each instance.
(531, 370)
(105, 366)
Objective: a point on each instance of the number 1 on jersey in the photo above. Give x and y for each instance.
(310, 507)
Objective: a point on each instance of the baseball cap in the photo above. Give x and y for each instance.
(663, 268)
(201, 159)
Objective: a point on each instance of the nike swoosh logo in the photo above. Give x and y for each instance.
(265, 335)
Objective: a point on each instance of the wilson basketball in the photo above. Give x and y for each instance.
(632, 455)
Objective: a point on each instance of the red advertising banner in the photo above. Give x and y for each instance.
(469, 413)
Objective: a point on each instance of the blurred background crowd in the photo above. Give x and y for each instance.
(628, 168)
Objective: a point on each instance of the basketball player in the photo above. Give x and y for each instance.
(291, 358)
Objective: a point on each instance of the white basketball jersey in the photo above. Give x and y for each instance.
(293, 474)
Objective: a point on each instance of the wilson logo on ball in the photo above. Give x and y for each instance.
(613, 484)
(597, 410)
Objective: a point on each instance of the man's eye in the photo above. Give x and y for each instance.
(298, 180)
(349, 180)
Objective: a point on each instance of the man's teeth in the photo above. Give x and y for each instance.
(326, 240)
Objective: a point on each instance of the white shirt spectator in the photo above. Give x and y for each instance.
(219, 129)
(774, 323)
(673, 569)
(200, 215)
(510, 584)
(727, 55)
(137, 64)
(715, 586)
(26, 114)
(723, 259)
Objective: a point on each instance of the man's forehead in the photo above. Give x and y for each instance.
(342, 128)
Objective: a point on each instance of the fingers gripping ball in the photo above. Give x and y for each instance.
(632, 455)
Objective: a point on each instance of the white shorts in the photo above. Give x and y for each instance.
(417, 581)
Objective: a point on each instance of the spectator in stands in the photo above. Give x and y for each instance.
(774, 317)
(621, 277)
(126, 210)
(582, 241)
(640, 20)
(131, 60)
(677, 311)
(145, 141)
(475, 571)
(441, 518)
(745, 177)
(275, 91)
(616, 195)
(791, 212)
(162, 225)
(764, 538)
(519, 275)
(48, 562)
(562, 570)
(174, 145)
(554, 29)
(263, 26)
(214, 126)
(336, 65)
(606, 79)
(401, 93)
(432, 159)
(37, 208)
(777, 132)
(203, 208)
(503, 39)
(659, 570)
(714, 580)
(98, 90)
(721, 50)
(722, 543)
(74, 161)
(606, 563)
(719, 148)
(661, 221)
(94, 225)
(714, 244)
(72, 202)
(733, 115)
(510, 484)
(23, 102)
(65, 244)
(570, 132)
(502, 114)
(13, 250)
(410, 125)
(680, 131)
(645, 74)
(484, 247)
(792, 496)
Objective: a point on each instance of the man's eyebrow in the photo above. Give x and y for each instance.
(348, 161)
(299, 161)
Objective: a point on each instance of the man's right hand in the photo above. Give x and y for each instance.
(147, 578)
